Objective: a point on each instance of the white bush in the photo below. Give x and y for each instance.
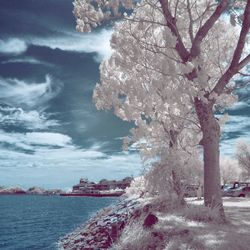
(137, 187)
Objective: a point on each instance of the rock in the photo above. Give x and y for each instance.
(114, 232)
(147, 208)
(84, 233)
(137, 214)
(121, 225)
(104, 229)
(150, 220)
(106, 245)
(158, 234)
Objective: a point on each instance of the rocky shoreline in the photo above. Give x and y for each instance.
(101, 231)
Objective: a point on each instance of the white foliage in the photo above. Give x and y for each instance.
(230, 171)
(144, 80)
(243, 157)
(223, 119)
(159, 178)
(89, 14)
(136, 188)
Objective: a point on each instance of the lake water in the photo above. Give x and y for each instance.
(37, 222)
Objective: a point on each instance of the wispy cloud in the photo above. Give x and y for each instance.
(35, 140)
(13, 46)
(92, 42)
(239, 105)
(237, 128)
(29, 60)
(56, 161)
(97, 42)
(47, 139)
(28, 94)
(19, 118)
(237, 123)
(23, 104)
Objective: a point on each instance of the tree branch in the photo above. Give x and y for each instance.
(191, 22)
(202, 32)
(235, 65)
(171, 23)
(243, 74)
(244, 62)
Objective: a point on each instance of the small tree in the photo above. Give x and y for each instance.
(230, 171)
(243, 157)
(188, 167)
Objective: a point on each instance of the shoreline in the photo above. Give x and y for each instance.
(12, 194)
(103, 229)
(91, 194)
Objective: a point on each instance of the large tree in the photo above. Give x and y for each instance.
(182, 52)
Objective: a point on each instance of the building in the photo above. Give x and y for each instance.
(103, 185)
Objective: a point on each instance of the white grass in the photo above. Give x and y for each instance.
(195, 227)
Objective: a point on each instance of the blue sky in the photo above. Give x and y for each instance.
(50, 132)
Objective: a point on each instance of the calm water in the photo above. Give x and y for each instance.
(37, 222)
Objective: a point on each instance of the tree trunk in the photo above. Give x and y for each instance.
(175, 173)
(210, 142)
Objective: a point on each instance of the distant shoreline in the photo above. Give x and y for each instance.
(28, 194)
(30, 191)
(14, 194)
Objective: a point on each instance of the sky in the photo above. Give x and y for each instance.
(50, 131)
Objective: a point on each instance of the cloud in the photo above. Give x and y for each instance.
(20, 119)
(47, 139)
(13, 141)
(92, 42)
(97, 42)
(28, 94)
(56, 162)
(237, 123)
(228, 147)
(237, 128)
(55, 168)
(13, 46)
(29, 60)
(34, 141)
(23, 104)
(239, 105)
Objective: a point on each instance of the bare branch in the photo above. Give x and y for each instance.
(243, 74)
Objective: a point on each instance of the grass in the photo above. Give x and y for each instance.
(194, 227)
